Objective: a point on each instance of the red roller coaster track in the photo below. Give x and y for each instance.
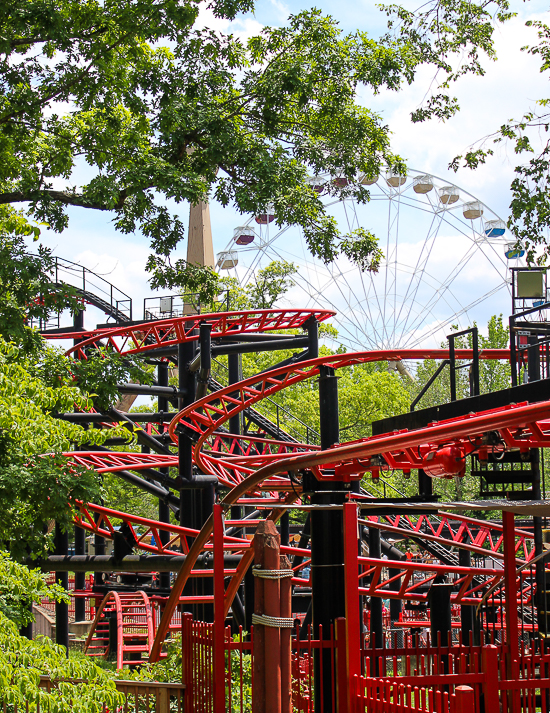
(259, 463)
(145, 337)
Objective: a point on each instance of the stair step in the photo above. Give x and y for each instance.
(135, 649)
(512, 477)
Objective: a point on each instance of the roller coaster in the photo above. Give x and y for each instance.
(220, 467)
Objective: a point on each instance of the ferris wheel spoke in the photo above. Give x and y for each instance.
(417, 274)
(462, 311)
(320, 296)
(441, 292)
(418, 291)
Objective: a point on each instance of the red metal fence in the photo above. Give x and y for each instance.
(429, 679)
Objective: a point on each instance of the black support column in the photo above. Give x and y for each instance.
(467, 612)
(79, 533)
(327, 551)
(186, 352)
(164, 510)
(376, 622)
(62, 578)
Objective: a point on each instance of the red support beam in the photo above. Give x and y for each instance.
(351, 568)
(219, 618)
(511, 606)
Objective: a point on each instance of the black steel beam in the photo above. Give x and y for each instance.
(266, 346)
(170, 392)
(532, 393)
(108, 563)
(163, 416)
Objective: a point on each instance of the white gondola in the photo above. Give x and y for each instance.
(267, 217)
(448, 195)
(395, 179)
(367, 180)
(227, 260)
(423, 184)
(513, 253)
(472, 210)
(243, 235)
(495, 228)
(317, 183)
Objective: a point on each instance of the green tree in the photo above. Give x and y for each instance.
(446, 33)
(28, 291)
(266, 288)
(37, 483)
(160, 109)
(493, 375)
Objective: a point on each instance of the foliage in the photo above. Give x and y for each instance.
(20, 587)
(36, 488)
(160, 109)
(167, 670)
(493, 375)
(102, 371)
(23, 661)
(440, 30)
(266, 287)
(125, 497)
(446, 32)
(26, 285)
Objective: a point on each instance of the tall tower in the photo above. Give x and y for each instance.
(200, 249)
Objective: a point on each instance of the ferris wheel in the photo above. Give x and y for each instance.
(446, 261)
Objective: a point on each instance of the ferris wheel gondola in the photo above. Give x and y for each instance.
(446, 261)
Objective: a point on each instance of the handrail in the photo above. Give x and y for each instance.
(283, 409)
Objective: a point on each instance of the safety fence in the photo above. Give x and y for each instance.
(209, 692)
(483, 679)
(412, 679)
(91, 601)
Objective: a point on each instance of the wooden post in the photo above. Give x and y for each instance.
(267, 640)
(272, 607)
(286, 661)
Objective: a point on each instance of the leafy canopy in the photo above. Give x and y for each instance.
(37, 484)
(442, 28)
(161, 109)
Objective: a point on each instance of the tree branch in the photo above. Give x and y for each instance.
(64, 197)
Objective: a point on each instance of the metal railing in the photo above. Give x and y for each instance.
(94, 289)
(171, 306)
(275, 412)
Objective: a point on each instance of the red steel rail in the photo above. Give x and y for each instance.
(140, 338)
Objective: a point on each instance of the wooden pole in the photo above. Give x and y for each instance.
(272, 607)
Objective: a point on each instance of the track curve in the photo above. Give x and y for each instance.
(265, 463)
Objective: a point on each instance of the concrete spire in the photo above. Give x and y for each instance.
(200, 249)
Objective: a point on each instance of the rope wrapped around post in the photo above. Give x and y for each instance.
(272, 612)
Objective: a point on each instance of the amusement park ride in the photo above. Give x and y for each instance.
(464, 625)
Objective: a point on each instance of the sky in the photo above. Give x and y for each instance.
(509, 88)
